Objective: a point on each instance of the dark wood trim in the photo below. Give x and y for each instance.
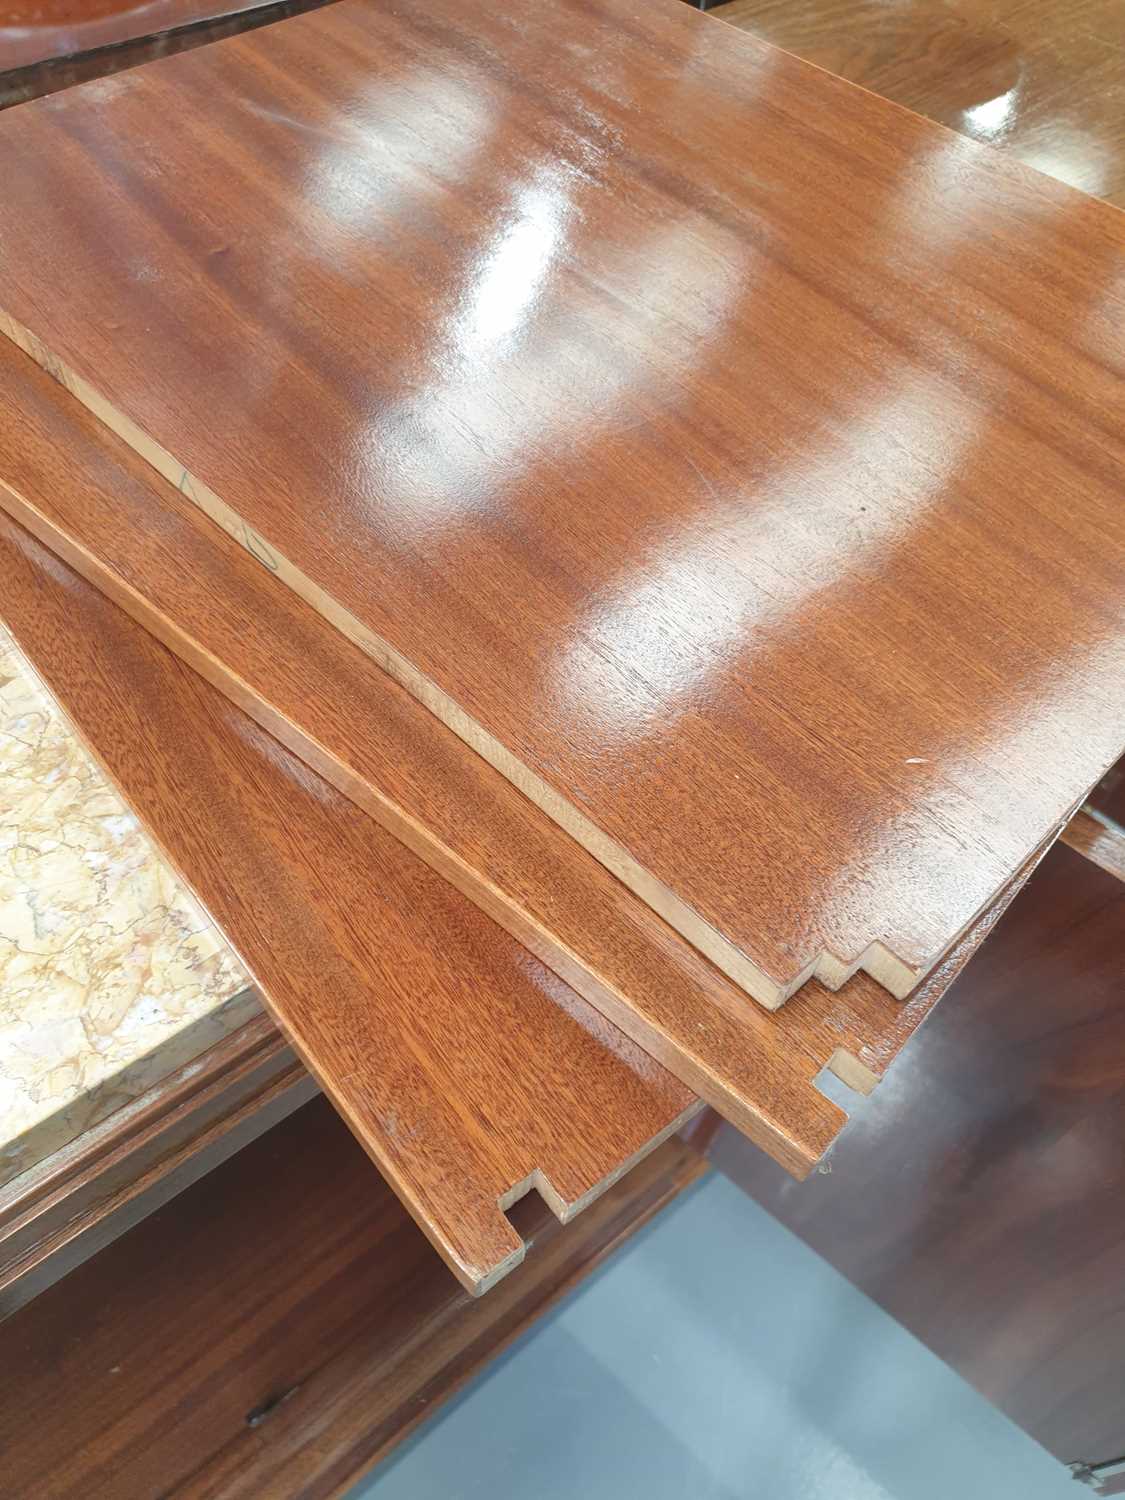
(276, 1329)
(83, 1196)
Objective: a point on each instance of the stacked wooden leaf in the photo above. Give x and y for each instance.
(624, 550)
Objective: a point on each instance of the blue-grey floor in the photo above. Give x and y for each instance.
(717, 1358)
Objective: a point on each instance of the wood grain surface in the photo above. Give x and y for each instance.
(980, 1200)
(273, 1331)
(85, 494)
(740, 475)
(1042, 79)
(91, 499)
(468, 1071)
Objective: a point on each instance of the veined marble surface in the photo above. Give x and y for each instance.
(111, 974)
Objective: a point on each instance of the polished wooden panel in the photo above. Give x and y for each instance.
(86, 495)
(273, 1331)
(1042, 79)
(731, 457)
(468, 1071)
(980, 1199)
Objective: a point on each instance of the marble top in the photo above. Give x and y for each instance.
(111, 975)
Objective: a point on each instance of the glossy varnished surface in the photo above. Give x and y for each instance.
(465, 1068)
(979, 1199)
(1043, 79)
(732, 457)
(85, 494)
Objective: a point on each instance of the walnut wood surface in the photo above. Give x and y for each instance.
(90, 498)
(731, 457)
(980, 1199)
(467, 1070)
(288, 1286)
(1041, 79)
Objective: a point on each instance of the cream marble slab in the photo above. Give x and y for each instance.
(111, 974)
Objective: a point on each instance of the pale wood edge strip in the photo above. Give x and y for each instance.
(672, 1050)
(848, 1069)
(476, 1280)
(1100, 841)
(877, 959)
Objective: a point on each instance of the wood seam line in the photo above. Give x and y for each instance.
(476, 1274)
(877, 959)
(678, 1053)
(475, 1279)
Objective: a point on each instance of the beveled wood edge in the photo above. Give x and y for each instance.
(877, 959)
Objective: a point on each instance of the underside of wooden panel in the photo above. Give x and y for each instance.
(739, 474)
(468, 1071)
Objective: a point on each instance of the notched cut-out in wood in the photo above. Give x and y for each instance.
(93, 501)
(86, 495)
(463, 1066)
(339, 1305)
(817, 557)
